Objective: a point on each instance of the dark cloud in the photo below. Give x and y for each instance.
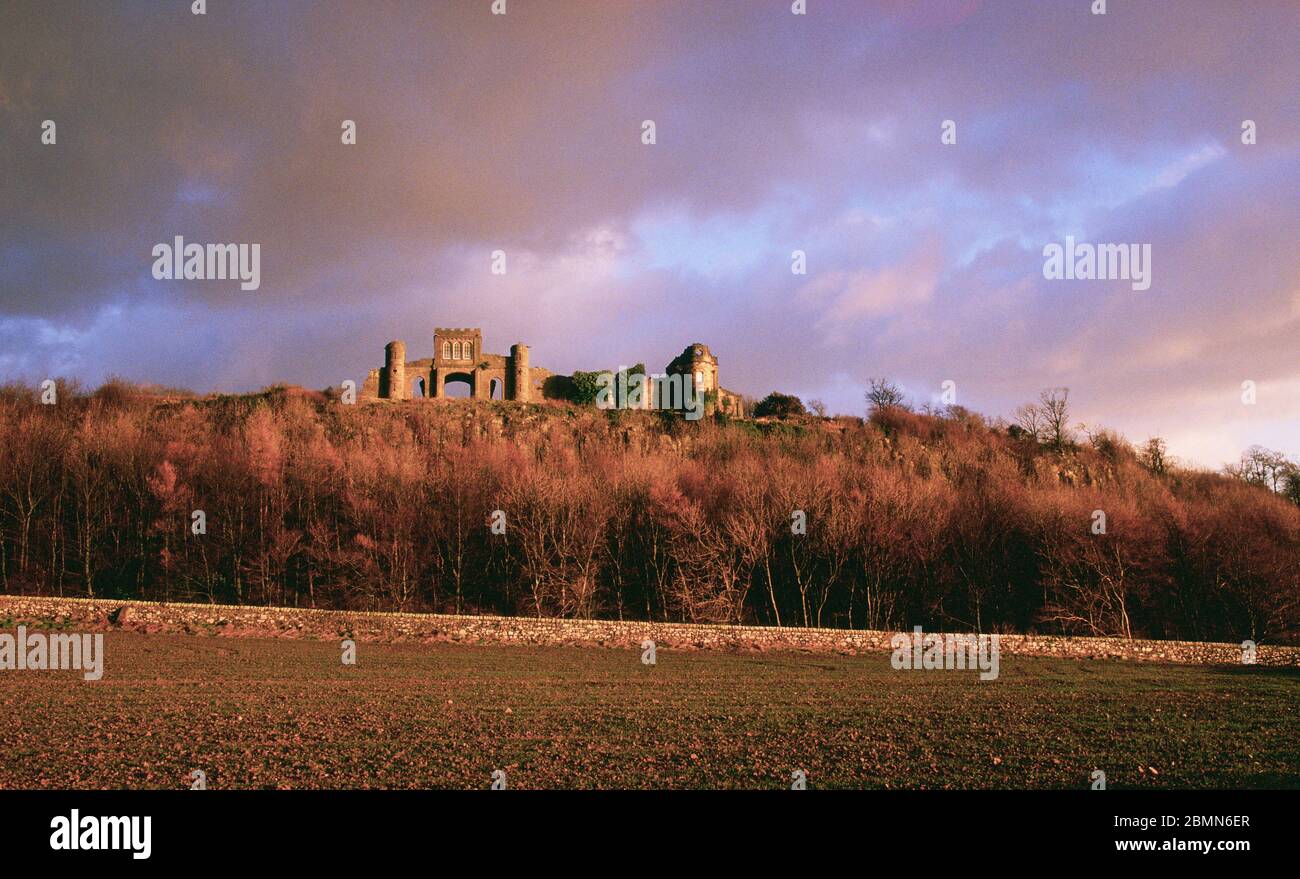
(521, 132)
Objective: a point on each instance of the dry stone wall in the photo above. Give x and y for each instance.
(276, 622)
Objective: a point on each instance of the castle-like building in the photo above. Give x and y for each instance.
(697, 360)
(458, 356)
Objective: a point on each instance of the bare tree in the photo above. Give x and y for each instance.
(1291, 485)
(1154, 455)
(1054, 408)
(884, 394)
(1261, 466)
(1089, 579)
(1029, 418)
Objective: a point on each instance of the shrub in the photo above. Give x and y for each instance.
(779, 405)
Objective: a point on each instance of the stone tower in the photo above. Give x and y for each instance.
(698, 362)
(519, 361)
(394, 371)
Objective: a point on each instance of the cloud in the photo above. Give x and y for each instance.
(775, 132)
(843, 297)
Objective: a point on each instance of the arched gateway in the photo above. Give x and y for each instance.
(458, 362)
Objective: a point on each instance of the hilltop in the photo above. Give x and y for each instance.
(947, 520)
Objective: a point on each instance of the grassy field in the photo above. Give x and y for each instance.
(256, 713)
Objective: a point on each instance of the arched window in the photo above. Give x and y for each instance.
(455, 351)
(446, 350)
(469, 350)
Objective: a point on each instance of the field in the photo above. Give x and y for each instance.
(265, 713)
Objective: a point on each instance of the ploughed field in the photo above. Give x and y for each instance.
(258, 713)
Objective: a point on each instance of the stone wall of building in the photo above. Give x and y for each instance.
(224, 620)
(458, 356)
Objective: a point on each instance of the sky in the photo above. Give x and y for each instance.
(774, 133)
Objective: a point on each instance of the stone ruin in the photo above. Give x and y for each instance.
(458, 356)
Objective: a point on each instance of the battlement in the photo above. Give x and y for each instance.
(459, 358)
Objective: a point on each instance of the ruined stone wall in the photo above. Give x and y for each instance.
(225, 620)
(458, 354)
